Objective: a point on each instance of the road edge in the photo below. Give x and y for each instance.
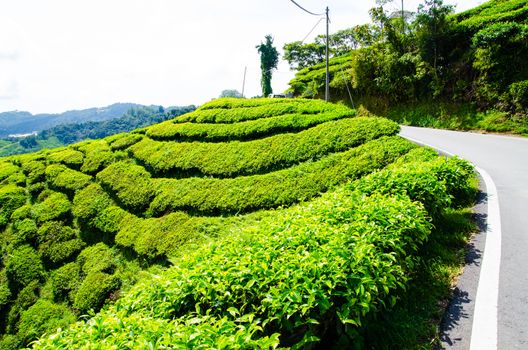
(484, 334)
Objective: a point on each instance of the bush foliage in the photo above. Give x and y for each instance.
(248, 269)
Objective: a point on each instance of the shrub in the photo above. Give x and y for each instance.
(9, 342)
(24, 266)
(65, 179)
(65, 281)
(7, 169)
(98, 155)
(342, 256)
(240, 114)
(25, 231)
(54, 206)
(67, 156)
(159, 236)
(97, 258)
(43, 317)
(94, 290)
(253, 157)
(34, 170)
(124, 141)
(12, 197)
(280, 188)
(5, 292)
(89, 202)
(111, 219)
(131, 183)
(243, 130)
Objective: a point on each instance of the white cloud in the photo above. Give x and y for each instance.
(74, 54)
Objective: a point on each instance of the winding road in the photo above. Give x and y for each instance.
(490, 308)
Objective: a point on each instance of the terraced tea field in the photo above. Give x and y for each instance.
(248, 224)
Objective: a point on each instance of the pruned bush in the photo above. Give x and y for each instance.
(67, 180)
(24, 266)
(34, 170)
(160, 236)
(111, 219)
(5, 292)
(97, 258)
(243, 130)
(89, 202)
(98, 155)
(7, 169)
(67, 156)
(245, 158)
(131, 184)
(43, 317)
(94, 290)
(12, 197)
(58, 243)
(123, 141)
(65, 281)
(25, 231)
(280, 188)
(54, 206)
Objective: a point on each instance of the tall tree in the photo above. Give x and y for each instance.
(269, 58)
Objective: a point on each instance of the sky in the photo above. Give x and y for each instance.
(59, 55)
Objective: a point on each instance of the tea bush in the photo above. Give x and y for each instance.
(94, 290)
(129, 182)
(24, 266)
(67, 156)
(43, 317)
(65, 281)
(12, 197)
(280, 188)
(65, 179)
(97, 258)
(54, 206)
(253, 157)
(317, 266)
(206, 114)
(243, 130)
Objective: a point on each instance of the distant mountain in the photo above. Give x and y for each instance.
(17, 122)
(67, 133)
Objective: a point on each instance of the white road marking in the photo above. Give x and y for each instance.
(485, 321)
(484, 332)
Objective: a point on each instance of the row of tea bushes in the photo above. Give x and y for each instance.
(279, 188)
(235, 158)
(241, 131)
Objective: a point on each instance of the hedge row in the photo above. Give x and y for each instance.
(493, 12)
(244, 130)
(311, 269)
(230, 103)
(279, 188)
(241, 113)
(235, 158)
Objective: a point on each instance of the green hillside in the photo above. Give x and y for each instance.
(248, 224)
(457, 71)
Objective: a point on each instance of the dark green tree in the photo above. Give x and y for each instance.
(269, 58)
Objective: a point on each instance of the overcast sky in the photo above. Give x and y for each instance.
(58, 55)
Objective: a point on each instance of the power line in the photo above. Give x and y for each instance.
(305, 10)
(315, 26)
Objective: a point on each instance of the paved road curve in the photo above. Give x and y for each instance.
(506, 160)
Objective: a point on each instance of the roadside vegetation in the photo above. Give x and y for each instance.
(433, 68)
(306, 226)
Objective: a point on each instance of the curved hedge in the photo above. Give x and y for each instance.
(253, 157)
(243, 130)
(279, 188)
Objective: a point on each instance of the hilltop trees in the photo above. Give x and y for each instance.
(269, 58)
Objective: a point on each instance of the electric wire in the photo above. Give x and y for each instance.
(305, 10)
(311, 31)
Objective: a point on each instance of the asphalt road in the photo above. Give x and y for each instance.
(505, 159)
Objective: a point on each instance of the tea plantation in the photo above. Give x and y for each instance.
(257, 223)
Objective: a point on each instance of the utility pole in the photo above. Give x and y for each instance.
(403, 19)
(244, 81)
(327, 89)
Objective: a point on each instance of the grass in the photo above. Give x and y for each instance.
(462, 117)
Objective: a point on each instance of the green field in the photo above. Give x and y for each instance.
(257, 223)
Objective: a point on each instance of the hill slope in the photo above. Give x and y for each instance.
(460, 71)
(218, 191)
